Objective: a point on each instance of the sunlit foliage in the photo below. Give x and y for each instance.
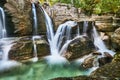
(91, 6)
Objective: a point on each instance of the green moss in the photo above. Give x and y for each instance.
(117, 57)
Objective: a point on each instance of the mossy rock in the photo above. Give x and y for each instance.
(117, 57)
(111, 70)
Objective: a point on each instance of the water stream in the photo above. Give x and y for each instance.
(35, 33)
(3, 32)
(5, 45)
(58, 41)
(100, 45)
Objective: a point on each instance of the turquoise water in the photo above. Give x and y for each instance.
(41, 71)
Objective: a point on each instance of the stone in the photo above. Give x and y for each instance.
(104, 23)
(23, 49)
(89, 62)
(110, 70)
(79, 47)
(106, 59)
(116, 57)
(61, 12)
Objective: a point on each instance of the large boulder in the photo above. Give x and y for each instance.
(111, 70)
(79, 47)
(24, 49)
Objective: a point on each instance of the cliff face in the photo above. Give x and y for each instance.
(20, 11)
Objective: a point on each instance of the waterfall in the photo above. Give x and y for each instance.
(98, 42)
(58, 41)
(35, 33)
(3, 32)
(49, 25)
(78, 31)
(6, 44)
(85, 26)
(35, 26)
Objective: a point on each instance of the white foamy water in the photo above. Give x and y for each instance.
(6, 44)
(100, 44)
(3, 32)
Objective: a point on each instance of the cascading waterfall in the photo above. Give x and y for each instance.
(3, 32)
(35, 26)
(85, 26)
(58, 41)
(100, 44)
(49, 25)
(35, 33)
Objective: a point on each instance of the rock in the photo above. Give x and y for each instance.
(61, 12)
(104, 23)
(23, 49)
(116, 57)
(96, 53)
(104, 60)
(20, 12)
(116, 39)
(80, 47)
(89, 62)
(110, 70)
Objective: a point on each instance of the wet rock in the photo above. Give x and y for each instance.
(89, 62)
(80, 47)
(116, 57)
(106, 59)
(23, 49)
(111, 70)
(96, 53)
(85, 28)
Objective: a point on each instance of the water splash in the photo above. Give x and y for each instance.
(3, 32)
(62, 38)
(60, 42)
(6, 44)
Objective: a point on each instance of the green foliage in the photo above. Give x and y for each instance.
(92, 6)
(89, 5)
(109, 6)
